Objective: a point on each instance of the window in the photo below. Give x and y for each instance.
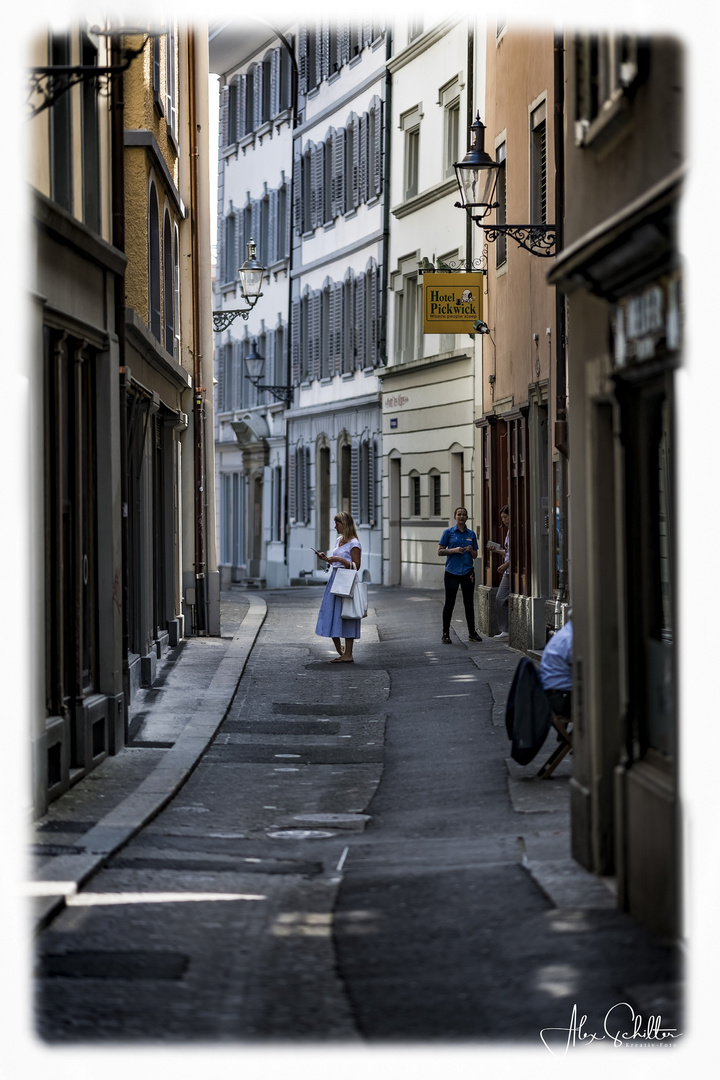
(154, 264)
(233, 118)
(307, 192)
(157, 96)
(501, 199)
(230, 268)
(414, 495)
(91, 141)
(176, 292)
(299, 484)
(412, 161)
(264, 245)
(61, 173)
(266, 87)
(249, 101)
(410, 125)
(452, 136)
(366, 482)
(328, 214)
(350, 166)
(277, 503)
(538, 165)
(435, 494)
(415, 28)
(608, 67)
(408, 311)
(282, 223)
(171, 107)
(168, 284)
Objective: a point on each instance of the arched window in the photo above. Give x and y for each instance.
(176, 292)
(154, 264)
(168, 284)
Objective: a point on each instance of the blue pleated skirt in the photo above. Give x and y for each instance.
(330, 622)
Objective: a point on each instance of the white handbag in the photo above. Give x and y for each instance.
(355, 605)
(343, 581)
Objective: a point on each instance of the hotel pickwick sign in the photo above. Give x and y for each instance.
(452, 302)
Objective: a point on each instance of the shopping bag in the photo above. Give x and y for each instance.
(354, 606)
(343, 581)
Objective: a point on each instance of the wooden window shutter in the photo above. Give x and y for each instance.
(257, 95)
(275, 67)
(288, 223)
(295, 341)
(255, 221)
(339, 172)
(371, 482)
(220, 254)
(303, 61)
(220, 376)
(272, 254)
(298, 191)
(372, 313)
(367, 33)
(376, 148)
(355, 480)
(344, 42)
(324, 39)
(292, 493)
(363, 161)
(241, 106)
(355, 181)
(224, 111)
(349, 323)
(359, 321)
(317, 159)
(314, 335)
(270, 359)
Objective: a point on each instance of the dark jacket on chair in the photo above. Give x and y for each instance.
(528, 716)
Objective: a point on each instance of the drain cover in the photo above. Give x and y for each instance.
(300, 834)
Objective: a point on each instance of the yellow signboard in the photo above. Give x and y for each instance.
(452, 303)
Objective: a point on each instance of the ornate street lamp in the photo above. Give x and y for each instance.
(251, 279)
(477, 176)
(254, 364)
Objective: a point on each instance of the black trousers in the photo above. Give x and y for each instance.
(560, 702)
(453, 582)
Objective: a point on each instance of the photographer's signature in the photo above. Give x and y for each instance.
(622, 1026)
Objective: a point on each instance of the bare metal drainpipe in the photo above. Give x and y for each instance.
(117, 135)
(201, 598)
(561, 426)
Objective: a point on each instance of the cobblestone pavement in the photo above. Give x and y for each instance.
(352, 861)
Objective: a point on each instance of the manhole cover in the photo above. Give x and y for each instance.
(300, 834)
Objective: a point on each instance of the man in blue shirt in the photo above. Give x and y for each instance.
(460, 547)
(556, 670)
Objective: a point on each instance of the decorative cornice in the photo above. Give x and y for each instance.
(140, 137)
(417, 47)
(425, 198)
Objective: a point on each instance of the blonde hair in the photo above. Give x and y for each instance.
(349, 531)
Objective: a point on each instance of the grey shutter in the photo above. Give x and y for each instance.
(295, 341)
(303, 61)
(376, 149)
(355, 180)
(339, 326)
(220, 376)
(316, 186)
(220, 253)
(288, 222)
(314, 335)
(269, 376)
(371, 483)
(258, 73)
(360, 335)
(272, 253)
(292, 500)
(324, 38)
(344, 42)
(332, 329)
(298, 190)
(355, 479)
(372, 313)
(275, 65)
(363, 162)
(367, 33)
(338, 173)
(256, 211)
(241, 106)
(224, 109)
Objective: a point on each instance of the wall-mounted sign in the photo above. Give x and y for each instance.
(452, 303)
(393, 421)
(395, 401)
(648, 323)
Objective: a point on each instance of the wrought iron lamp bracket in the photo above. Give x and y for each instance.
(51, 82)
(280, 393)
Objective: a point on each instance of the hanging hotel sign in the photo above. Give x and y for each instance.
(648, 323)
(452, 303)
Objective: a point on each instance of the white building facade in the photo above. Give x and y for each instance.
(429, 385)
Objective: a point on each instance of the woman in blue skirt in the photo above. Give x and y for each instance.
(347, 552)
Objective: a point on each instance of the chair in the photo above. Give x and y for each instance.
(562, 726)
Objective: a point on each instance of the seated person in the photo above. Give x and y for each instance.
(556, 670)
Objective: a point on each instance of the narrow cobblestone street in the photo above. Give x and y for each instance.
(354, 860)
